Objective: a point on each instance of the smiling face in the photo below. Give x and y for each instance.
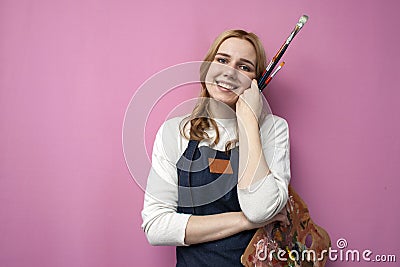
(231, 71)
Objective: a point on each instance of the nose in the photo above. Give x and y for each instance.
(230, 72)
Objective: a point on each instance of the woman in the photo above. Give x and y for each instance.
(204, 194)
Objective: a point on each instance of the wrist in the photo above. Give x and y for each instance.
(248, 130)
(244, 222)
(249, 122)
(246, 116)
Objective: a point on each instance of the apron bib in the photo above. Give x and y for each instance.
(207, 180)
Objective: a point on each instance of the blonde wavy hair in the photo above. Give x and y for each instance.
(201, 118)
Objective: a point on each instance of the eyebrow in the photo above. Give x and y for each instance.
(241, 59)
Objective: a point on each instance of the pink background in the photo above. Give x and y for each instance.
(68, 70)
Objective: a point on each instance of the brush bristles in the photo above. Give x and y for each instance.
(303, 19)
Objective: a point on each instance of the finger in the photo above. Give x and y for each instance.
(285, 222)
(282, 212)
(254, 85)
(280, 218)
(283, 219)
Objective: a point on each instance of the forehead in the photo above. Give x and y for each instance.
(238, 48)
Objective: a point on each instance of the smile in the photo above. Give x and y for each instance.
(226, 86)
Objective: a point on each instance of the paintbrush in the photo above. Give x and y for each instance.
(273, 74)
(271, 65)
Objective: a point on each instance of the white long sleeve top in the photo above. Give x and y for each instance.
(163, 225)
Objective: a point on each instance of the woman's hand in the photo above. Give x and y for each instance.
(249, 104)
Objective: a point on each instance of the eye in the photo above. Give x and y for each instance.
(221, 60)
(245, 68)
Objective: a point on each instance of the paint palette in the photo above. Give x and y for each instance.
(300, 244)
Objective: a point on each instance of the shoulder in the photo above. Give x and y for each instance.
(172, 127)
(169, 139)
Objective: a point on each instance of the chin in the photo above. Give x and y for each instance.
(225, 96)
(229, 102)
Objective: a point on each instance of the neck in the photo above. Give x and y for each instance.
(220, 110)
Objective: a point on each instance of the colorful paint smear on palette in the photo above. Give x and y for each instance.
(299, 244)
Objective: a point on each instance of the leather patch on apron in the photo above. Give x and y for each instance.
(221, 166)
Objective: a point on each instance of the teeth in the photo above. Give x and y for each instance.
(225, 85)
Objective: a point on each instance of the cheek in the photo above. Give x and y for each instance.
(241, 90)
(246, 81)
(213, 71)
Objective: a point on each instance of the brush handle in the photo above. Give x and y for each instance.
(262, 81)
(267, 81)
(277, 57)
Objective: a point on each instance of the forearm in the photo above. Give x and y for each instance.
(252, 164)
(268, 196)
(207, 228)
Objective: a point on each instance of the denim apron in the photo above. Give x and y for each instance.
(198, 184)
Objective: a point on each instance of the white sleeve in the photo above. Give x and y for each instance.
(267, 197)
(161, 222)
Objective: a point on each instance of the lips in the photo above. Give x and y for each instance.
(226, 86)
